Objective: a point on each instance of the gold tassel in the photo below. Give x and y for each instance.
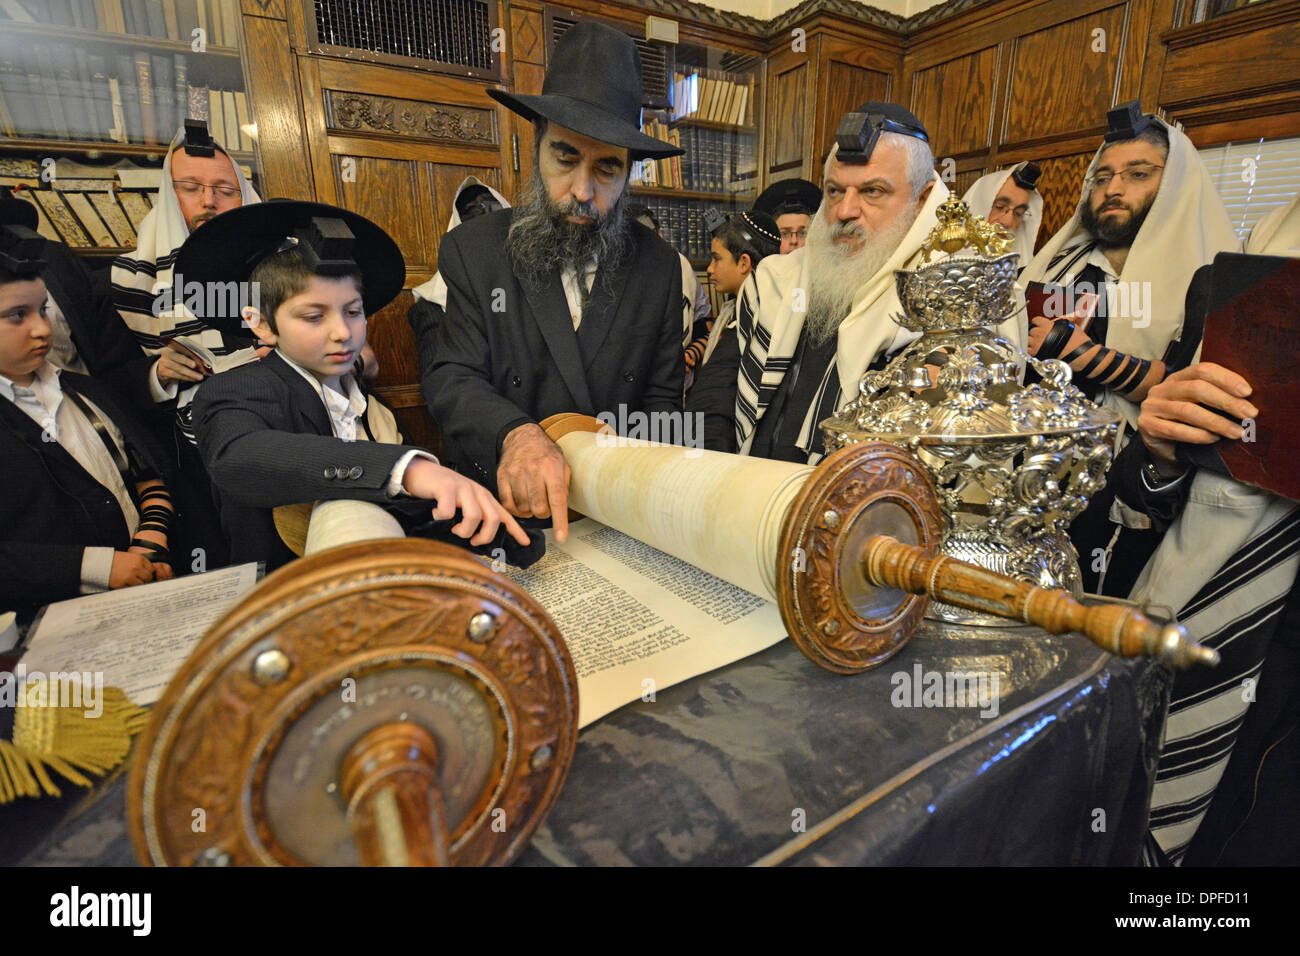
(66, 740)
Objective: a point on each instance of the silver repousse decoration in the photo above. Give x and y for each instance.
(1013, 464)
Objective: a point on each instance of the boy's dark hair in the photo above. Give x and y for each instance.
(745, 234)
(282, 276)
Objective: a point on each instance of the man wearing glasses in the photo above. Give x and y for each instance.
(1117, 273)
(1009, 198)
(199, 182)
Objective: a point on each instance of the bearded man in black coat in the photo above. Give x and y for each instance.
(561, 304)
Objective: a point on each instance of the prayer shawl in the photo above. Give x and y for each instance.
(770, 313)
(1227, 565)
(140, 276)
(435, 290)
(980, 200)
(1186, 227)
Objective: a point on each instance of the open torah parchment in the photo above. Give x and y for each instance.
(636, 620)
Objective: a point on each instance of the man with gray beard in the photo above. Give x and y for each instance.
(809, 324)
(582, 312)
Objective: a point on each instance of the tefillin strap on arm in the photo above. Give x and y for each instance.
(198, 141)
(858, 134)
(22, 251)
(1126, 122)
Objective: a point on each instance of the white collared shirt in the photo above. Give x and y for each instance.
(44, 403)
(569, 279)
(346, 413)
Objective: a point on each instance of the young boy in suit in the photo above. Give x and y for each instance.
(740, 242)
(87, 508)
(295, 426)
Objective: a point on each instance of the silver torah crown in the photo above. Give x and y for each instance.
(1013, 464)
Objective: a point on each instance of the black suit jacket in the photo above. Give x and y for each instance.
(505, 353)
(53, 509)
(266, 439)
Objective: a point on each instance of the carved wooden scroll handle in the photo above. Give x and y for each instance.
(1121, 630)
(390, 781)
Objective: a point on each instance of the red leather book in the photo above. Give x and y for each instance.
(1252, 326)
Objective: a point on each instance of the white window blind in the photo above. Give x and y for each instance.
(1254, 178)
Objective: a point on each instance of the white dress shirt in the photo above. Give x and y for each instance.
(569, 279)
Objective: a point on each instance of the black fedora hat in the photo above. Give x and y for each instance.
(593, 87)
(789, 195)
(333, 241)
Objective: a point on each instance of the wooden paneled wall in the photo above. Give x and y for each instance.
(1033, 79)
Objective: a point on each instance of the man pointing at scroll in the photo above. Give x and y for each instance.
(582, 312)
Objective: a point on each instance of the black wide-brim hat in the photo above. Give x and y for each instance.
(789, 195)
(230, 246)
(593, 87)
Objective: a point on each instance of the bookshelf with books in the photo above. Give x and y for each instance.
(716, 96)
(91, 94)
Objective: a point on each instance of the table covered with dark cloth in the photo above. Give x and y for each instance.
(772, 760)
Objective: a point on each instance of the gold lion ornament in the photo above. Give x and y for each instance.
(958, 228)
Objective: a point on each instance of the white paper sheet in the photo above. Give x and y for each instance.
(137, 637)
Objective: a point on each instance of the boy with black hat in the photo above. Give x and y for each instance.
(295, 426)
(87, 509)
(791, 202)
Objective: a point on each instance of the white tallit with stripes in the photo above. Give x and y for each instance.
(770, 313)
(1227, 565)
(1185, 228)
(139, 276)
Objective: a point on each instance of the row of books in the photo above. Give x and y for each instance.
(84, 213)
(162, 19)
(681, 223)
(716, 161)
(62, 92)
(714, 96)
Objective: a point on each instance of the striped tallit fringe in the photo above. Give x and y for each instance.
(65, 740)
(1236, 612)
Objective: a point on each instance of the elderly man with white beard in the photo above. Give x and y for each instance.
(811, 323)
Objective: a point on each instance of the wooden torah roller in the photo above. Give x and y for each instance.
(848, 551)
(378, 704)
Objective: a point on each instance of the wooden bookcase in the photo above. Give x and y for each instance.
(716, 96)
(91, 94)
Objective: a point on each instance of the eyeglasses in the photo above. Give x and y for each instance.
(794, 233)
(1016, 212)
(1133, 176)
(187, 188)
